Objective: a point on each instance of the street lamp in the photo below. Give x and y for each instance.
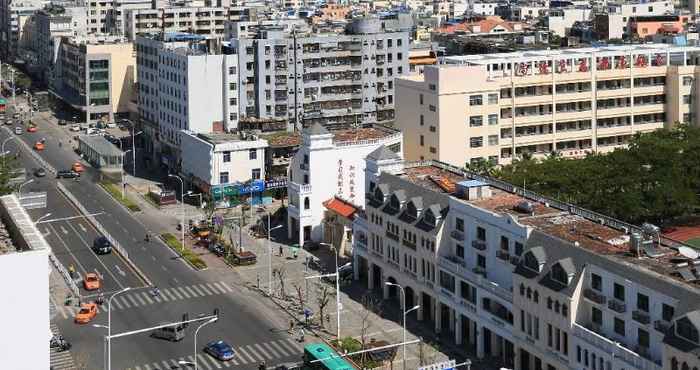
(104, 346)
(403, 308)
(182, 206)
(133, 147)
(42, 217)
(19, 190)
(269, 249)
(2, 149)
(337, 285)
(212, 320)
(109, 326)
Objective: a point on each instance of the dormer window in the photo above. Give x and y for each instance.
(686, 330)
(531, 263)
(378, 195)
(429, 218)
(562, 272)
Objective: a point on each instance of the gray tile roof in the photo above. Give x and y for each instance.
(382, 153)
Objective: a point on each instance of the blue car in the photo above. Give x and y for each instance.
(220, 350)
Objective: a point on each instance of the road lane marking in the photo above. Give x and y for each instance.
(82, 228)
(132, 300)
(87, 245)
(269, 348)
(280, 348)
(241, 350)
(64, 231)
(204, 288)
(263, 350)
(176, 280)
(199, 292)
(171, 294)
(184, 292)
(220, 288)
(191, 291)
(119, 270)
(80, 265)
(252, 350)
(46, 233)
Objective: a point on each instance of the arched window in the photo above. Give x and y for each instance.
(529, 293)
(556, 306)
(549, 303)
(685, 366)
(531, 262)
(307, 203)
(674, 364)
(522, 289)
(564, 310)
(536, 297)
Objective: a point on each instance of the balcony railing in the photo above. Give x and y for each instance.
(594, 296)
(617, 306)
(662, 326)
(479, 271)
(409, 244)
(641, 317)
(479, 244)
(390, 235)
(503, 254)
(460, 269)
(613, 348)
(457, 235)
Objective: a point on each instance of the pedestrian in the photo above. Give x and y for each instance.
(291, 326)
(301, 335)
(296, 253)
(281, 251)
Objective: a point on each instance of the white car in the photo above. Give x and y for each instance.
(75, 128)
(18, 131)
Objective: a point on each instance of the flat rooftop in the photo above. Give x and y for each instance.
(582, 232)
(219, 138)
(282, 139)
(353, 135)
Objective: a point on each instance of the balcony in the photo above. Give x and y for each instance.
(514, 260)
(594, 296)
(641, 317)
(617, 306)
(503, 254)
(304, 166)
(479, 271)
(392, 236)
(409, 244)
(662, 326)
(458, 267)
(457, 235)
(479, 244)
(614, 349)
(299, 188)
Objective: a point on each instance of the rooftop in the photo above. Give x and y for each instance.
(355, 135)
(224, 138)
(584, 229)
(282, 139)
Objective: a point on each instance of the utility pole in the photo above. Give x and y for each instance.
(12, 79)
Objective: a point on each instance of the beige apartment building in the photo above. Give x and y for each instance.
(575, 101)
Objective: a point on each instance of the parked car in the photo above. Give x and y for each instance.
(18, 130)
(39, 172)
(220, 350)
(102, 245)
(67, 174)
(62, 122)
(75, 128)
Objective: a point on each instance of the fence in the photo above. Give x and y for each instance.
(97, 225)
(563, 206)
(66, 276)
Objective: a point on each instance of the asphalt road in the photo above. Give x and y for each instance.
(255, 336)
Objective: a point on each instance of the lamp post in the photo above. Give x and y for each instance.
(212, 320)
(133, 147)
(19, 190)
(109, 326)
(3, 148)
(337, 286)
(403, 308)
(191, 194)
(182, 207)
(269, 249)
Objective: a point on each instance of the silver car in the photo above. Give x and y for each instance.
(18, 131)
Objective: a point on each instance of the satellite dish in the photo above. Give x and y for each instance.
(688, 252)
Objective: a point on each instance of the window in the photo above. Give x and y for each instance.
(431, 108)
(687, 99)
(493, 98)
(422, 142)
(559, 275)
(642, 302)
(481, 261)
(596, 282)
(227, 157)
(549, 335)
(422, 120)
(420, 98)
(549, 302)
(493, 139)
(432, 87)
(493, 119)
(255, 174)
(667, 312)
(231, 70)
(476, 100)
(433, 150)
(620, 326)
(619, 292)
(476, 142)
(253, 154)
(459, 251)
(459, 224)
(596, 316)
(518, 249)
(223, 177)
(687, 330)
(307, 202)
(476, 121)
(447, 281)
(643, 338)
(687, 80)
(432, 129)
(481, 233)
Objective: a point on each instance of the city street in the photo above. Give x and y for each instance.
(256, 331)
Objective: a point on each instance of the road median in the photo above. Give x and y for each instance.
(187, 254)
(113, 190)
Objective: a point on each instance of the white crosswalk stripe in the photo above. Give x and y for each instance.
(138, 298)
(171, 294)
(252, 350)
(196, 289)
(248, 358)
(189, 290)
(132, 300)
(294, 344)
(220, 287)
(147, 367)
(269, 348)
(262, 350)
(165, 365)
(183, 292)
(147, 297)
(122, 301)
(204, 288)
(280, 348)
(60, 360)
(115, 304)
(137, 368)
(214, 361)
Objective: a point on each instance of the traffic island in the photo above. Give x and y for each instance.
(116, 193)
(186, 253)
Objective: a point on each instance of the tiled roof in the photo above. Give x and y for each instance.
(340, 207)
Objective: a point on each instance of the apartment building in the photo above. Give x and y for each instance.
(185, 83)
(306, 78)
(23, 251)
(329, 164)
(205, 21)
(14, 16)
(96, 75)
(529, 282)
(53, 23)
(497, 107)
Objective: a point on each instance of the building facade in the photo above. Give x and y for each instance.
(14, 18)
(326, 78)
(325, 153)
(96, 75)
(531, 283)
(185, 83)
(51, 25)
(497, 107)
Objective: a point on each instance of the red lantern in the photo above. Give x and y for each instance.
(641, 61)
(562, 66)
(622, 63)
(582, 67)
(544, 68)
(604, 64)
(660, 60)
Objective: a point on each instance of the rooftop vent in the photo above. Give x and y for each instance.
(525, 207)
(473, 190)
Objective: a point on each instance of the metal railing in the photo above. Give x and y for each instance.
(34, 154)
(66, 275)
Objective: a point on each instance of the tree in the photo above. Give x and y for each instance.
(370, 305)
(8, 170)
(300, 294)
(281, 273)
(323, 297)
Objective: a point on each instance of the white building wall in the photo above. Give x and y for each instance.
(24, 342)
(485, 8)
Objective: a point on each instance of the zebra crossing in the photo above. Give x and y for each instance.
(141, 298)
(247, 356)
(60, 360)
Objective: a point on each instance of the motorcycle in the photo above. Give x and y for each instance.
(60, 343)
